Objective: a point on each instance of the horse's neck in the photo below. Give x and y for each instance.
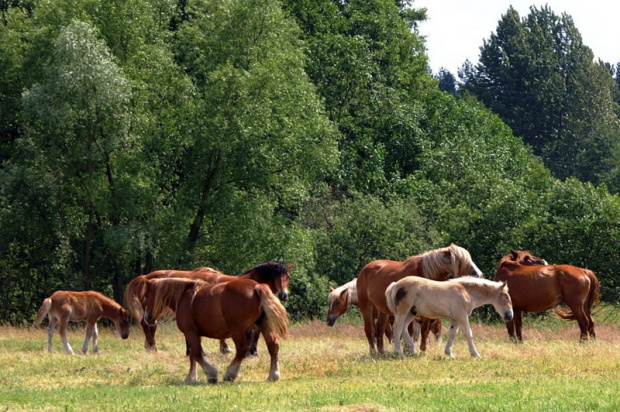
(480, 294)
(109, 308)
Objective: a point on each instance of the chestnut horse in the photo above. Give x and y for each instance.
(89, 306)
(340, 298)
(539, 288)
(224, 310)
(274, 274)
(377, 275)
(454, 299)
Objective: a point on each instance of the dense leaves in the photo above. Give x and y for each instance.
(145, 134)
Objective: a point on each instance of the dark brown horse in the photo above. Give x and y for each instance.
(64, 306)
(376, 276)
(538, 288)
(226, 310)
(275, 274)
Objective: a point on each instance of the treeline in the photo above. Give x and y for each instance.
(150, 134)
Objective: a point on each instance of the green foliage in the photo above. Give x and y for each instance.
(537, 74)
(150, 134)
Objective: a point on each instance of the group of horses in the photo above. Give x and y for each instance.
(415, 292)
(399, 299)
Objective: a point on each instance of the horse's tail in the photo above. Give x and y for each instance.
(43, 311)
(275, 312)
(134, 296)
(591, 300)
(390, 297)
(593, 295)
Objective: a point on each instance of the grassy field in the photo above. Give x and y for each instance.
(325, 369)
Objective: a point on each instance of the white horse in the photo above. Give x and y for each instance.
(454, 299)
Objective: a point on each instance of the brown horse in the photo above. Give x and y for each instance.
(540, 288)
(225, 310)
(340, 298)
(376, 276)
(274, 274)
(89, 306)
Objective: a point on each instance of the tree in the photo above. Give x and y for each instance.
(77, 130)
(537, 74)
(447, 81)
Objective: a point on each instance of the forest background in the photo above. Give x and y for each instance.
(139, 135)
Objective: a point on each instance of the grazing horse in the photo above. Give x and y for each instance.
(454, 299)
(89, 306)
(540, 288)
(224, 310)
(340, 298)
(377, 275)
(274, 274)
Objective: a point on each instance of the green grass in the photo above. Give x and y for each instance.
(322, 368)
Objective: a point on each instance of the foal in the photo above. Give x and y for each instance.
(454, 299)
(89, 306)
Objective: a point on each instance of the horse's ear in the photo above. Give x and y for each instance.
(504, 284)
(291, 266)
(331, 289)
(514, 253)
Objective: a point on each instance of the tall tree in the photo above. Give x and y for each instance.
(77, 130)
(537, 74)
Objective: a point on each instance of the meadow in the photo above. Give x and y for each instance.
(323, 368)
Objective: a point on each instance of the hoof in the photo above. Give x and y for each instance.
(212, 381)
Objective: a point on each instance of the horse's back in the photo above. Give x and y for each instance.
(377, 278)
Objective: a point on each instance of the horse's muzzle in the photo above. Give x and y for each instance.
(331, 320)
(508, 315)
(124, 335)
(283, 295)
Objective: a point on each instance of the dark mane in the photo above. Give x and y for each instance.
(270, 270)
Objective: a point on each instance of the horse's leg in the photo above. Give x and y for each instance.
(242, 345)
(466, 329)
(518, 325)
(454, 328)
(95, 336)
(224, 349)
(382, 320)
(149, 336)
(50, 332)
(274, 348)
(89, 331)
(254, 342)
(62, 330)
(369, 327)
(397, 331)
(424, 331)
(408, 335)
(197, 356)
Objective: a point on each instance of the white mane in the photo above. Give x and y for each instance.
(351, 297)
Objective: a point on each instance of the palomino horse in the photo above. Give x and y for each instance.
(225, 310)
(376, 276)
(88, 306)
(274, 274)
(454, 299)
(340, 298)
(540, 288)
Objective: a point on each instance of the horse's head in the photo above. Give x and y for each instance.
(502, 302)
(338, 304)
(274, 274)
(124, 321)
(524, 257)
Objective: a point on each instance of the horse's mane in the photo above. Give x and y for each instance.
(270, 270)
(168, 292)
(475, 281)
(434, 262)
(351, 286)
